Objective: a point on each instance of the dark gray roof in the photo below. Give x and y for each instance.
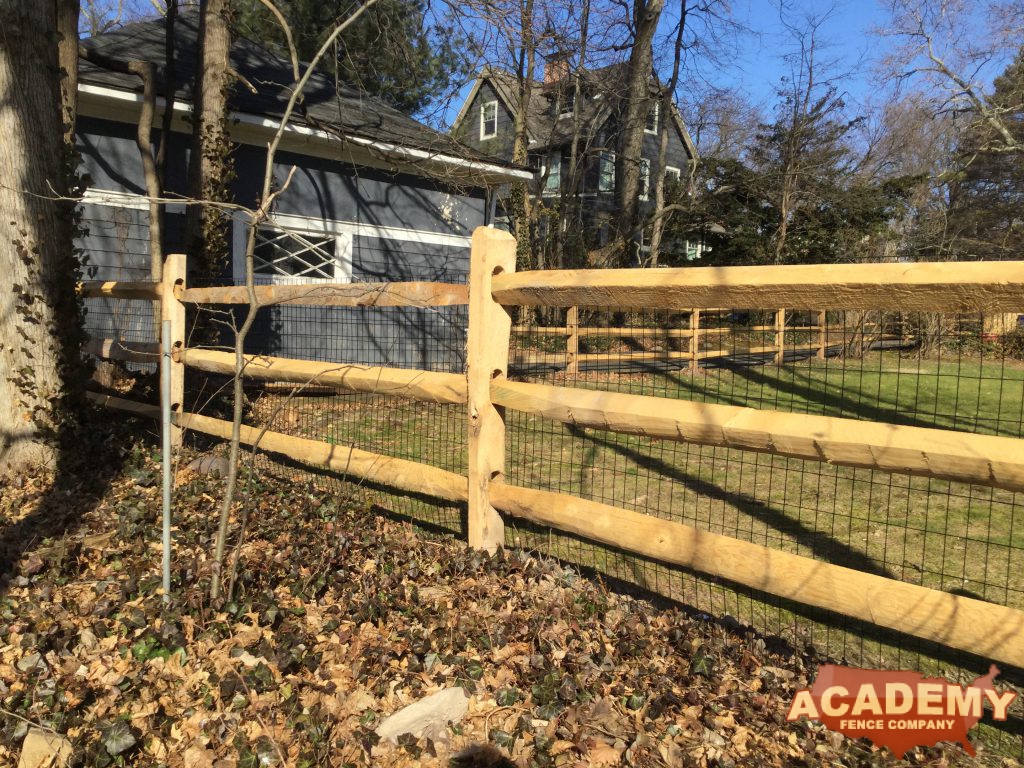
(542, 123)
(343, 110)
(603, 91)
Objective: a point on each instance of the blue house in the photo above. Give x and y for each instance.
(375, 196)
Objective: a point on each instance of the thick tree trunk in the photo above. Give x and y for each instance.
(667, 106)
(209, 173)
(39, 338)
(637, 97)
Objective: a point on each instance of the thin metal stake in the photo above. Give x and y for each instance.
(165, 431)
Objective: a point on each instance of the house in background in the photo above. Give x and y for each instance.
(375, 196)
(486, 122)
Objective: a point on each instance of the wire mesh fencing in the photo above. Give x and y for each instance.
(929, 370)
(413, 338)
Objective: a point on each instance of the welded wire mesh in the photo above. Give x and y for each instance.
(427, 339)
(929, 370)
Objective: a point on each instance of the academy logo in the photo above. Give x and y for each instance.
(899, 710)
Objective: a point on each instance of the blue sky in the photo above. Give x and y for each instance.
(847, 33)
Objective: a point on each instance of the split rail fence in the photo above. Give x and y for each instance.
(488, 394)
(694, 336)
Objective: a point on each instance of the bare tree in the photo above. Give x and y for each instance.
(951, 45)
(667, 108)
(646, 16)
(268, 195)
(805, 141)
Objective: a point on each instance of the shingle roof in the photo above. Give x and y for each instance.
(344, 109)
(545, 127)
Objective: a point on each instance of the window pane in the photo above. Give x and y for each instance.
(606, 180)
(651, 126)
(553, 183)
(645, 176)
(489, 120)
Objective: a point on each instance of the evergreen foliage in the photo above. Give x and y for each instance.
(987, 196)
(391, 52)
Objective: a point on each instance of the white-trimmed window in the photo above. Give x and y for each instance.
(606, 172)
(673, 173)
(290, 255)
(568, 103)
(651, 124)
(553, 168)
(645, 177)
(488, 120)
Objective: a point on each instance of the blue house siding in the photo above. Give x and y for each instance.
(395, 226)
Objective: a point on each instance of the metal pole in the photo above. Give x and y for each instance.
(165, 431)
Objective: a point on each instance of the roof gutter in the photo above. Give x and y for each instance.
(247, 128)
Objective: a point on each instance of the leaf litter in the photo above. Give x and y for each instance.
(340, 619)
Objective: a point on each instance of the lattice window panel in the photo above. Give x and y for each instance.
(290, 256)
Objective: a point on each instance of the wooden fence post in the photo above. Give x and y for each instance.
(572, 340)
(490, 325)
(821, 319)
(780, 336)
(694, 340)
(173, 310)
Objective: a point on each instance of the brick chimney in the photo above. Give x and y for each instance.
(557, 67)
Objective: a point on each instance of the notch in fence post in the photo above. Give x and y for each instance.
(821, 320)
(694, 340)
(780, 335)
(172, 310)
(572, 340)
(490, 325)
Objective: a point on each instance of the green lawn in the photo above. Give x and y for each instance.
(944, 535)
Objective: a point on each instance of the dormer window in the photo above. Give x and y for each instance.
(606, 172)
(488, 120)
(553, 168)
(651, 126)
(568, 103)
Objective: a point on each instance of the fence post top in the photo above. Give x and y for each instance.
(491, 234)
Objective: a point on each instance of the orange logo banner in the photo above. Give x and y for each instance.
(899, 710)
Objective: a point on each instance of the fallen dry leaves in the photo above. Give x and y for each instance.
(342, 617)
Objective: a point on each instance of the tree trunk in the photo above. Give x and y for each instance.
(520, 199)
(667, 105)
(209, 173)
(67, 52)
(637, 97)
(40, 327)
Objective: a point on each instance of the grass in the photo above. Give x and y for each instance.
(965, 539)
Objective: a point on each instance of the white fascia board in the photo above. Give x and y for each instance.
(314, 225)
(364, 229)
(114, 198)
(257, 129)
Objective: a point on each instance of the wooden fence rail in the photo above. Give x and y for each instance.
(576, 335)
(426, 386)
(922, 286)
(415, 294)
(987, 629)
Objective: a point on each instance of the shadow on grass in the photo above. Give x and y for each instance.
(833, 402)
(821, 544)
